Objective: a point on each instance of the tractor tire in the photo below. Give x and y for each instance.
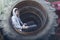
(47, 16)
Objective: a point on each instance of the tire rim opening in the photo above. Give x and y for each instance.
(33, 14)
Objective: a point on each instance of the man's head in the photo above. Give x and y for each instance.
(17, 12)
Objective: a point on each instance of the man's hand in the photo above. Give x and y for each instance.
(24, 26)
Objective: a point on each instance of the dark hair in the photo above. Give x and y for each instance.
(16, 10)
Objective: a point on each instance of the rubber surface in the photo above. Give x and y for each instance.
(13, 35)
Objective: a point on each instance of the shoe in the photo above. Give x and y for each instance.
(20, 30)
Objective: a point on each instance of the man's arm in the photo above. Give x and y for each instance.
(15, 23)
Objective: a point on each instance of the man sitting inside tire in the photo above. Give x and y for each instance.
(16, 21)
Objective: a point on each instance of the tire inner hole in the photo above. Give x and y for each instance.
(33, 21)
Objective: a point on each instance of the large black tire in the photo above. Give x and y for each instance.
(47, 30)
